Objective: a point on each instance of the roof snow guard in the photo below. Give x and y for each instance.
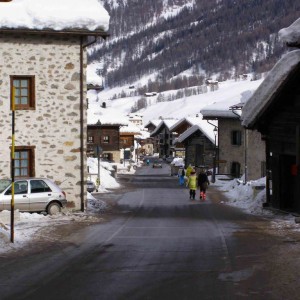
(274, 81)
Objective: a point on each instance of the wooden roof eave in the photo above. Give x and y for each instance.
(78, 32)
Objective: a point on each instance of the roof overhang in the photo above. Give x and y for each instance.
(78, 32)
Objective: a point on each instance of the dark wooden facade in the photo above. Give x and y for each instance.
(199, 150)
(126, 140)
(281, 127)
(105, 136)
(279, 124)
(177, 130)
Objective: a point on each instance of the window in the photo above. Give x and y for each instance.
(24, 162)
(90, 139)
(24, 96)
(21, 187)
(106, 139)
(235, 169)
(108, 156)
(39, 186)
(236, 137)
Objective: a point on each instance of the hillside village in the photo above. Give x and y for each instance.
(217, 134)
(177, 183)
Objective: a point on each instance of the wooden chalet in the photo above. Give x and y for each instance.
(105, 136)
(179, 128)
(199, 145)
(274, 110)
(164, 138)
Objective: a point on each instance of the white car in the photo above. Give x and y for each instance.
(32, 195)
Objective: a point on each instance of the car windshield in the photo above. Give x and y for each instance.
(4, 183)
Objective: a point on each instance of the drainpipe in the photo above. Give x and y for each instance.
(216, 155)
(82, 170)
(245, 148)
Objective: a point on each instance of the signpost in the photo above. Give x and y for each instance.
(12, 204)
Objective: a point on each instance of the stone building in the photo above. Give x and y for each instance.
(240, 151)
(42, 71)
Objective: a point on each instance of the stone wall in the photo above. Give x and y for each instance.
(228, 152)
(233, 153)
(54, 126)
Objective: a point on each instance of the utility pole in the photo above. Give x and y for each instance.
(12, 204)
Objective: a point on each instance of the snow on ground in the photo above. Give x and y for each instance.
(240, 195)
(250, 198)
(28, 225)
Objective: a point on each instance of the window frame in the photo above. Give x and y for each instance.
(236, 137)
(31, 103)
(106, 139)
(235, 169)
(90, 139)
(31, 161)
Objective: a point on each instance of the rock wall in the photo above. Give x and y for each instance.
(53, 128)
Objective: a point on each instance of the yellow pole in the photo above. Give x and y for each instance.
(12, 204)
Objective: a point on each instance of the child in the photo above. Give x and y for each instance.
(192, 184)
(203, 183)
(181, 174)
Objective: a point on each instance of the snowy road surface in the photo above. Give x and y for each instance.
(157, 244)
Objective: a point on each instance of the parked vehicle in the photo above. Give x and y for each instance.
(169, 159)
(90, 186)
(32, 195)
(157, 164)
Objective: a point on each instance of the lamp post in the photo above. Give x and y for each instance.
(215, 156)
(138, 140)
(99, 150)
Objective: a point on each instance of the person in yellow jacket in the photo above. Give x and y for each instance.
(189, 169)
(192, 184)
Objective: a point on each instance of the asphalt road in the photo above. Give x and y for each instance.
(157, 244)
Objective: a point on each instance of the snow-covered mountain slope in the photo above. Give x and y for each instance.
(169, 37)
(186, 106)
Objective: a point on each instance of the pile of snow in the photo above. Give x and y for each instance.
(107, 180)
(249, 196)
(28, 227)
(94, 204)
(54, 14)
(178, 162)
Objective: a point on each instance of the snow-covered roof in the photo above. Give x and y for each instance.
(153, 122)
(130, 128)
(167, 123)
(190, 120)
(291, 34)
(106, 116)
(203, 126)
(57, 15)
(263, 96)
(222, 109)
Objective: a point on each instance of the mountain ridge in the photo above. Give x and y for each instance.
(169, 37)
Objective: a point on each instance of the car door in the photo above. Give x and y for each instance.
(40, 195)
(21, 197)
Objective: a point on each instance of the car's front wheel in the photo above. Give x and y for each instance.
(53, 208)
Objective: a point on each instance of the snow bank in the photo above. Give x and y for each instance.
(249, 197)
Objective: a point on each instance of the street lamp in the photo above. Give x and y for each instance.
(99, 150)
(215, 155)
(138, 140)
